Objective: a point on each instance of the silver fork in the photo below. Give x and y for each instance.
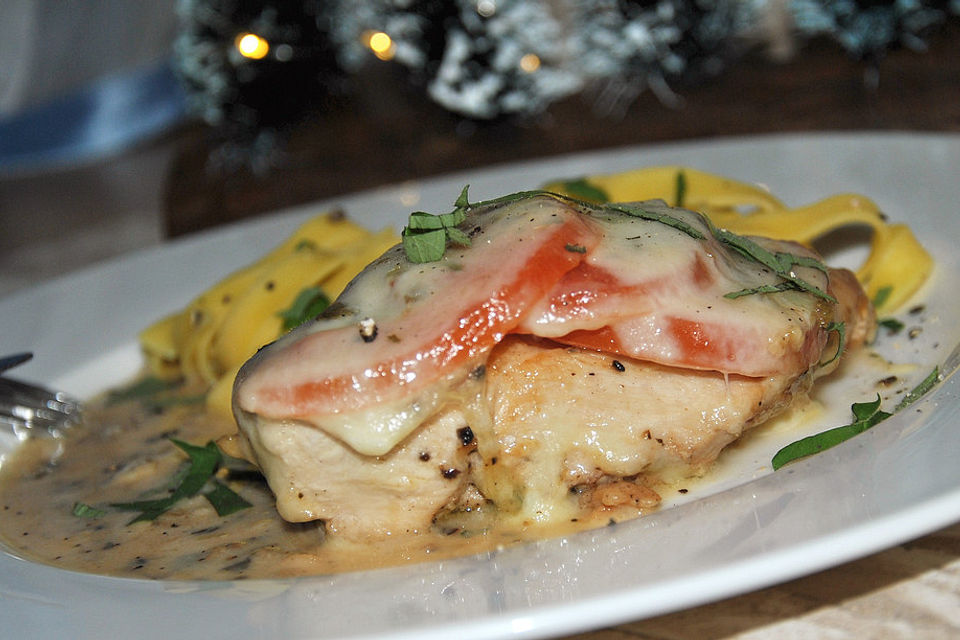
(32, 411)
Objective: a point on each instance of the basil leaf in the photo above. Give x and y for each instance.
(225, 500)
(458, 237)
(425, 246)
(452, 219)
(425, 236)
(308, 304)
(423, 221)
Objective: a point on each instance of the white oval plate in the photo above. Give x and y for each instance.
(894, 482)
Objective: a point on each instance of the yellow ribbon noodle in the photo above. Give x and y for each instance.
(206, 342)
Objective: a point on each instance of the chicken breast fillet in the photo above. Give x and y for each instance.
(559, 367)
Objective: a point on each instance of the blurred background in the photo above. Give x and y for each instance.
(124, 124)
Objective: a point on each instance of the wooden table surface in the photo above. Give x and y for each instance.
(387, 133)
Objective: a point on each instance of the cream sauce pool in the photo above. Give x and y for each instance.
(121, 453)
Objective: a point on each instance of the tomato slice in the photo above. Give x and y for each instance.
(469, 308)
(678, 317)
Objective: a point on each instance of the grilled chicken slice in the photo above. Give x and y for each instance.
(568, 418)
(585, 351)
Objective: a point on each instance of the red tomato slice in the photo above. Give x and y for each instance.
(468, 311)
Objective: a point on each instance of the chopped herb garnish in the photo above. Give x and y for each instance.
(764, 288)
(681, 189)
(82, 510)
(423, 247)
(426, 236)
(882, 295)
(204, 462)
(663, 218)
(920, 390)
(309, 303)
(841, 329)
(891, 324)
(225, 500)
(583, 189)
(576, 248)
(143, 389)
(865, 414)
(781, 263)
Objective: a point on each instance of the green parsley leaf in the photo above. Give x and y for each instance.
(308, 304)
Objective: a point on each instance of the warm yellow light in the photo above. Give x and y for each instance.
(250, 45)
(530, 62)
(381, 44)
(486, 8)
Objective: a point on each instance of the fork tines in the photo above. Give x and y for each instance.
(27, 409)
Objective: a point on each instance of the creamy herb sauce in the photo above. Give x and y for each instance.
(123, 453)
